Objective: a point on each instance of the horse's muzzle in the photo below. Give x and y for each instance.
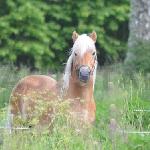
(84, 73)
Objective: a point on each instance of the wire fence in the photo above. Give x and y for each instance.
(113, 125)
(141, 110)
(17, 128)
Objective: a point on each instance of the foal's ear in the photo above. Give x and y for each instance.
(93, 36)
(74, 36)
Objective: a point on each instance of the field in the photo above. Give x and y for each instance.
(118, 119)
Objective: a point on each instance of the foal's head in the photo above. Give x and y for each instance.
(84, 58)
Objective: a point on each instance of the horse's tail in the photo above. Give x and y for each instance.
(9, 120)
(9, 117)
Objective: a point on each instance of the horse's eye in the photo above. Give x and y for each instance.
(75, 54)
(93, 53)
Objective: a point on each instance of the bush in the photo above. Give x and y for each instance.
(38, 33)
(138, 57)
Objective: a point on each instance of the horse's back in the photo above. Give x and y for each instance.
(36, 82)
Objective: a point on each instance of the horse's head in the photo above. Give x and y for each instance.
(84, 58)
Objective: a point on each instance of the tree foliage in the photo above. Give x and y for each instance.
(138, 57)
(38, 33)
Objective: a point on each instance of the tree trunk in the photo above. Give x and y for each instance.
(139, 38)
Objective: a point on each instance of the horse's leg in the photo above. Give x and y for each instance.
(22, 108)
(91, 110)
(15, 109)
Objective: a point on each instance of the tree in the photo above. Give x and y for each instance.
(138, 56)
(38, 33)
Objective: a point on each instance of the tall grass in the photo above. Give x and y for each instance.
(117, 99)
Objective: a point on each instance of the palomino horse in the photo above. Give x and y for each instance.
(78, 84)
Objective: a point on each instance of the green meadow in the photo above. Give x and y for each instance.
(120, 119)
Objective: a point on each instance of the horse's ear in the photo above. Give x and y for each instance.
(74, 36)
(93, 36)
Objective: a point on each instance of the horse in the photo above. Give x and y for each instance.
(80, 75)
(78, 85)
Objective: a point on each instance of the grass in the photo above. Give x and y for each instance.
(117, 97)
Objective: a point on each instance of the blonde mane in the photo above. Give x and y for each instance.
(81, 45)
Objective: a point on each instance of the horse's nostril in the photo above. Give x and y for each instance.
(84, 73)
(84, 78)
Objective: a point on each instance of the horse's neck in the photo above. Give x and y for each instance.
(81, 92)
(82, 101)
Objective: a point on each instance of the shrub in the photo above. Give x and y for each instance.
(38, 33)
(138, 57)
